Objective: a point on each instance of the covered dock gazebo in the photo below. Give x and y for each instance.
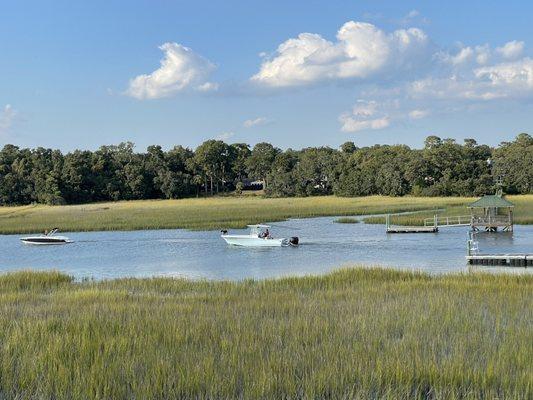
(491, 212)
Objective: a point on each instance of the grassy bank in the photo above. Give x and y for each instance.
(220, 212)
(355, 333)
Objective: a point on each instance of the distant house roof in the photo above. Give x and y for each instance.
(491, 200)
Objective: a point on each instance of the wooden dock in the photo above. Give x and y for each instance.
(411, 229)
(511, 260)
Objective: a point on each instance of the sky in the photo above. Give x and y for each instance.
(79, 74)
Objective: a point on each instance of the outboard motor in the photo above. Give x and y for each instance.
(224, 231)
(293, 241)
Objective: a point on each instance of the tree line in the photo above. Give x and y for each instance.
(441, 168)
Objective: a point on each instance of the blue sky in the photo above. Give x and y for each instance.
(79, 74)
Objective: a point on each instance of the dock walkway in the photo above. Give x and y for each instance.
(512, 260)
(411, 229)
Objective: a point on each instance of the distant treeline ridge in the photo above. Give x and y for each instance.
(442, 168)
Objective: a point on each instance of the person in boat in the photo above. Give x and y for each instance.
(264, 234)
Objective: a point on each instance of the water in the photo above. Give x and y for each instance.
(325, 246)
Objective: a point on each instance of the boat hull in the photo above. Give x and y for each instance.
(252, 241)
(44, 241)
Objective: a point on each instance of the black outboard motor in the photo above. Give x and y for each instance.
(293, 241)
(224, 231)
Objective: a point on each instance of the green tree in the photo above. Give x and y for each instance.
(348, 147)
(213, 157)
(259, 164)
(513, 161)
(281, 176)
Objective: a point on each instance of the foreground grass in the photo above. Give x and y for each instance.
(355, 333)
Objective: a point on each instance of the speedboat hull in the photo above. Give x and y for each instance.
(254, 241)
(45, 240)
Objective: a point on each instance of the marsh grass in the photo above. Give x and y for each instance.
(355, 333)
(347, 220)
(230, 212)
(204, 213)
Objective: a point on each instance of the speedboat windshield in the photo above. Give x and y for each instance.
(258, 229)
(52, 232)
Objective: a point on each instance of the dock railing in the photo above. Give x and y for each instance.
(456, 220)
(490, 220)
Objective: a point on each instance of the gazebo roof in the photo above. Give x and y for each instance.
(491, 200)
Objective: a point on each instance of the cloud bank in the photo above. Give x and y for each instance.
(361, 51)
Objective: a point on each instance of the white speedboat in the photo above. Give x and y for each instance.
(47, 238)
(259, 236)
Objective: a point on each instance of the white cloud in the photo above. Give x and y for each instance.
(7, 118)
(451, 88)
(516, 75)
(350, 124)
(418, 114)
(225, 135)
(361, 51)
(492, 81)
(411, 17)
(365, 115)
(465, 55)
(511, 50)
(207, 87)
(483, 54)
(412, 14)
(180, 69)
(374, 115)
(249, 123)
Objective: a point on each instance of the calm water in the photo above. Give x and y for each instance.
(324, 246)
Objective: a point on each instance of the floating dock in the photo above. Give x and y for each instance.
(474, 257)
(511, 260)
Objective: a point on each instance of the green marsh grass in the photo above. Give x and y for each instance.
(229, 212)
(347, 220)
(354, 333)
(221, 212)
